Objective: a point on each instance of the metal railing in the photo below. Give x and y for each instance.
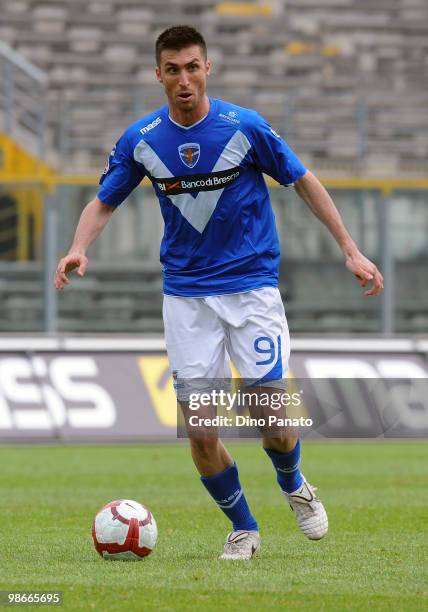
(23, 104)
(23, 100)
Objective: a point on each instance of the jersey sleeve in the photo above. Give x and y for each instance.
(272, 155)
(121, 174)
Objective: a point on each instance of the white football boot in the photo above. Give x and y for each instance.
(241, 545)
(310, 514)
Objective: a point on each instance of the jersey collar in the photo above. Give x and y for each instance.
(187, 128)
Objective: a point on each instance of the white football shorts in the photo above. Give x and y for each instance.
(203, 334)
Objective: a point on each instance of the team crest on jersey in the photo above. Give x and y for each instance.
(189, 153)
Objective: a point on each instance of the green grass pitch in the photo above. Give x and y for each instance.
(375, 556)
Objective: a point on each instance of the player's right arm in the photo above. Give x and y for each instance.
(93, 219)
(121, 175)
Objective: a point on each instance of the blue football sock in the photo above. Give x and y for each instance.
(287, 468)
(227, 493)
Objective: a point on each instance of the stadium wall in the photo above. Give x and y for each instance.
(87, 389)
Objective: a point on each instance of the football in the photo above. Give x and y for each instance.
(124, 529)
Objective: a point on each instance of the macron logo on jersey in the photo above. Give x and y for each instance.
(151, 125)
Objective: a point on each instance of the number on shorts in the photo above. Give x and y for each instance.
(260, 347)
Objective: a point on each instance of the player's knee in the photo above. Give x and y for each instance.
(205, 447)
(282, 442)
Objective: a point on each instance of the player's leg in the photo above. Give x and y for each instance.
(209, 455)
(196, 349)
(220, 477)
(259, 344)
(309, 511)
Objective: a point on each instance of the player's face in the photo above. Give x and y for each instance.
(184, 76)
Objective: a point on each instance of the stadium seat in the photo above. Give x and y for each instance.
(270, 47)
(340, 79)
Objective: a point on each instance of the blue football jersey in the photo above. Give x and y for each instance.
(220, 234)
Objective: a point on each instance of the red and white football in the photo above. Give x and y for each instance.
(124, 529)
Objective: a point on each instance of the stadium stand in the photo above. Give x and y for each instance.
(358, 61)
(106, 301)
(127, 297)
(343, 80)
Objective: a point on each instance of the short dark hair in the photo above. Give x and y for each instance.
(179, 37)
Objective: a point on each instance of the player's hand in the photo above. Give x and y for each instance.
(366, 272)
(67, 264)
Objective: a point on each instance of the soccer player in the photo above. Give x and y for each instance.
(220, 253)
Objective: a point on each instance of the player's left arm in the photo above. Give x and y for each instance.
(321, 204)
